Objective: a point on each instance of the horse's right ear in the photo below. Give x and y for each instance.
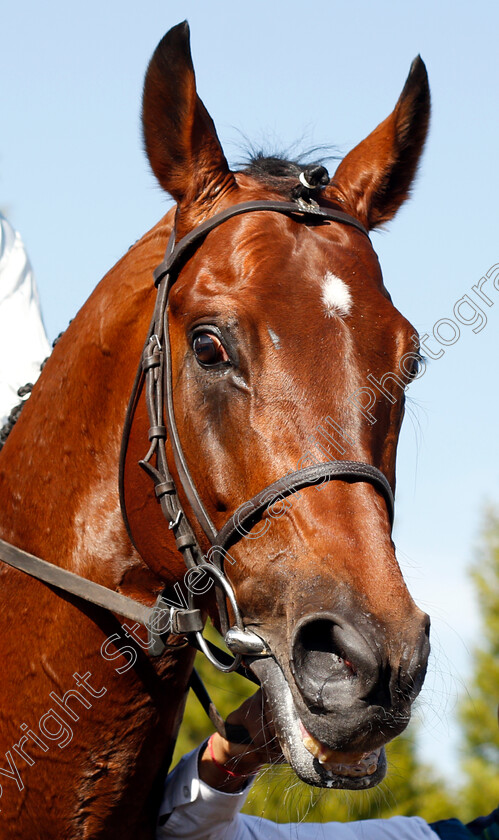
(179, 135)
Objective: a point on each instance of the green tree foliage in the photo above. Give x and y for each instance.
(478, 713)
(409, 789)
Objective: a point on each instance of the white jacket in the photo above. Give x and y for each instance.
(23, 341)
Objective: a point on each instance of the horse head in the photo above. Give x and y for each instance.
(286, 350)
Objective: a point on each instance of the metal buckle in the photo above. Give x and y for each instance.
(166, 619)
(155, 340)
(174, 522)
(239, 640)
(308, 205)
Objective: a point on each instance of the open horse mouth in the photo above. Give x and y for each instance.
(312, 760)
(353, 765)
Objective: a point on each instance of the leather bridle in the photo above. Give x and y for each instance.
(155, 373)
(156, 368)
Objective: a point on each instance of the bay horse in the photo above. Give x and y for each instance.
(275, 321)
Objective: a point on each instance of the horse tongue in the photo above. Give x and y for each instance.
(341, 763)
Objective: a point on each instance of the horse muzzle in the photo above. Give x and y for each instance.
(313, 762)
(335, 701)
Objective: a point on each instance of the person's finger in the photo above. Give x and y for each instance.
(252, 715)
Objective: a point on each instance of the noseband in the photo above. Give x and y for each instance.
(156, 369)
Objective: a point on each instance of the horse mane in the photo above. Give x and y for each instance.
(23, 392)
(9, 424)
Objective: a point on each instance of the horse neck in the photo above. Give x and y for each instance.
(59, 467)
(59, 491)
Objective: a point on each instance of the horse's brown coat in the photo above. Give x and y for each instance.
(240, 430)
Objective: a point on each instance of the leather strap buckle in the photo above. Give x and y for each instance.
(167, 620)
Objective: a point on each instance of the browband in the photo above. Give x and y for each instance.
(174, 256)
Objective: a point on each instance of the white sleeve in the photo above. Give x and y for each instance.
(192, 810)
(396, 828)
(23, 341)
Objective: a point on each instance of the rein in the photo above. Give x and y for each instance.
(155, 372)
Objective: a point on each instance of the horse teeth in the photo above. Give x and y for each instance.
(315, 747)
(360, 764)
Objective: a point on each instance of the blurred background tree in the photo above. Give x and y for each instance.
(478, 712)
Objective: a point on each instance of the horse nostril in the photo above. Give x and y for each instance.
(318, 640)
(326, 655)
(414, 663)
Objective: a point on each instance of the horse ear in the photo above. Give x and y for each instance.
(374, 179)
(179, 135)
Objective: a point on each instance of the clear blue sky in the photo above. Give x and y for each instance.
(75, 182)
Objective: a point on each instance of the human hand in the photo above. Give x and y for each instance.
(225, 765)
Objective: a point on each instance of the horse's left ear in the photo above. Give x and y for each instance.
(179, 135)
(374, 179)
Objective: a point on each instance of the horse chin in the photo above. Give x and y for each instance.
(325, 769)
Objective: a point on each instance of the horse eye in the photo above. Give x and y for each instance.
(209, 350)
